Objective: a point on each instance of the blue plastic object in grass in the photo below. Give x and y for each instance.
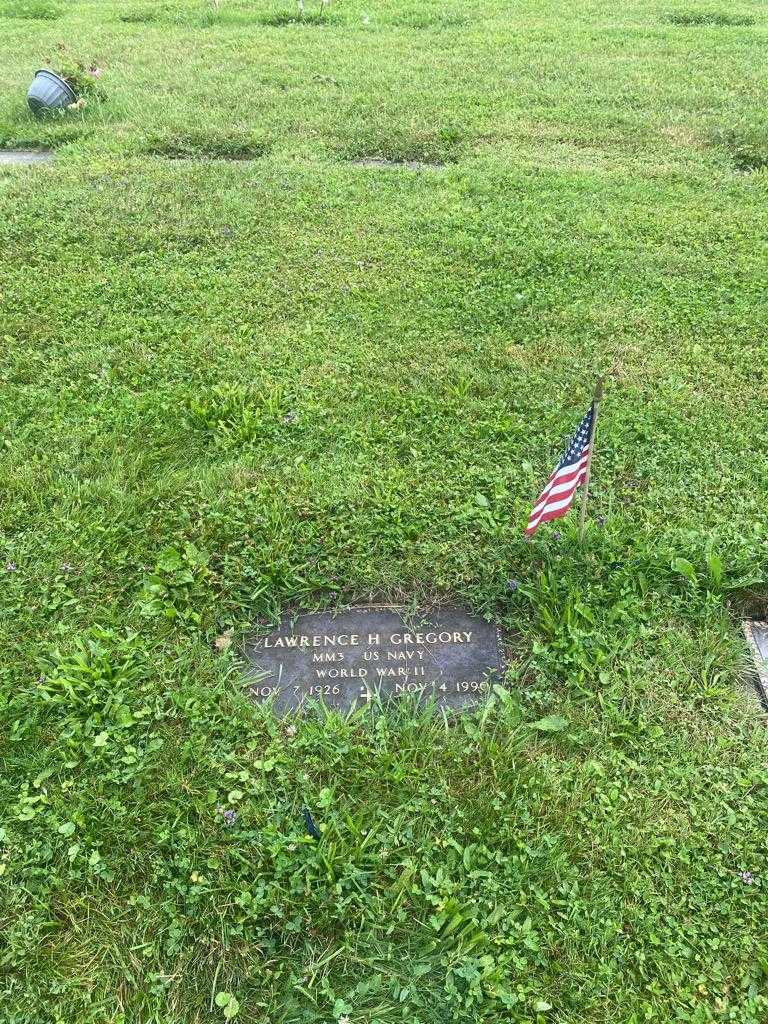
(48, 92)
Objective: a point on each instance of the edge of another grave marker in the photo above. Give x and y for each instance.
(759, 668)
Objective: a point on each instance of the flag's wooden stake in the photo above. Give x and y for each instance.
(598, 396)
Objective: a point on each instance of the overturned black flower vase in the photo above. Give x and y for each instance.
(49, 92)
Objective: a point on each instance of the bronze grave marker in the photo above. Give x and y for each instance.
(344, 658)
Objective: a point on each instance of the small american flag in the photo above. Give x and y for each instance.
(557, 497)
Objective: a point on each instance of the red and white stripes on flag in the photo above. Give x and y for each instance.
(557, 497)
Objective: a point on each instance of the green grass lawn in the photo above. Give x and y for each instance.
(232, 387)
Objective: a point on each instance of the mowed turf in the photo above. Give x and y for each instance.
(242, 373)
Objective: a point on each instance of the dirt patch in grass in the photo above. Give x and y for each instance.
(748, 147)
(30, 10)
(429, 147)
(709, 19)
(377, 162)
(228, 15)
(208, 147)
(431, 21)
(750, 603)
(292, 19)
(141, 16)
(682, 135)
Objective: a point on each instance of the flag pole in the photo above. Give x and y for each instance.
(597, 398)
